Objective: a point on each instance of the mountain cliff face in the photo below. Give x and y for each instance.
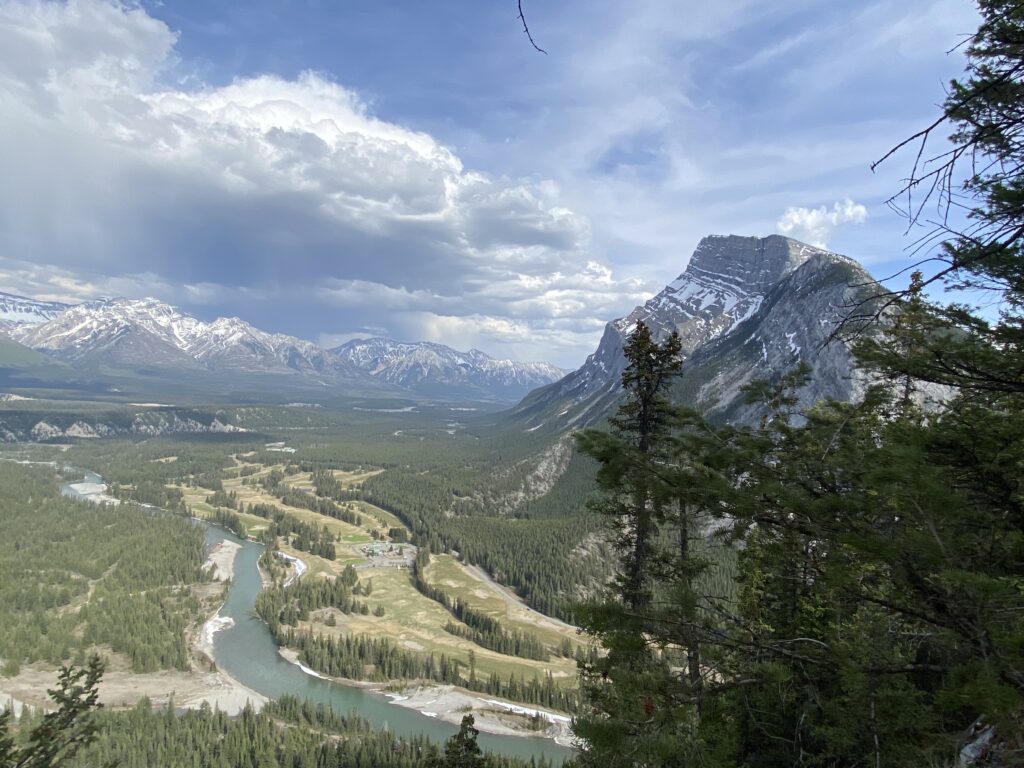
(745, 308)
(434, 368)
(19, 311)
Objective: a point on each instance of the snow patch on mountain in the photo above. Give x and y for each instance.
(148, 331)
(780, 294)
(20, 311)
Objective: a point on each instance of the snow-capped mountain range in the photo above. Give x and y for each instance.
(745, 308)
(431, 368)
(150, 334)
(17, 311)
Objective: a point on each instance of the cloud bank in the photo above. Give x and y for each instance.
(285, 201)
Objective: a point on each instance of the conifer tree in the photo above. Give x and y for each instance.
(63, 732)
(629, 454)
(628, 688)
(881, 545)
(461, 750)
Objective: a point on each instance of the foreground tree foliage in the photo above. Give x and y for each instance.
(461, 750)
(57, 737)
(880, 613)
(881, 588)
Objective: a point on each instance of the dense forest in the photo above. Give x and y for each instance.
(75, 575)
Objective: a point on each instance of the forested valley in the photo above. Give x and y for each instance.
(75, 575)
(832, 585)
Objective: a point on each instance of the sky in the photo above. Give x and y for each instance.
(342, 169)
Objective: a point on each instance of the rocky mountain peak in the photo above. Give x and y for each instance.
(724, 282)
(754, 263)
(782, 295)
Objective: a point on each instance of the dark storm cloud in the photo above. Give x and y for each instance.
(284, 201)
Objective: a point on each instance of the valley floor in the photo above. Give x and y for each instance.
(409, 618)
(375, 544)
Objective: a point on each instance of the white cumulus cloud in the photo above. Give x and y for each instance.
(283, 200)
(814, 225)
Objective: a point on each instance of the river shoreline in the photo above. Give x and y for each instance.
(226, 694)
(234, 634)
(221, 560)
(449, 703)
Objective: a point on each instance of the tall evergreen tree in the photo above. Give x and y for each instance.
(631, 688)
(880, 613)
(628, 456)
(461, 750)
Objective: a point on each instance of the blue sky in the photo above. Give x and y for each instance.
(338, 169)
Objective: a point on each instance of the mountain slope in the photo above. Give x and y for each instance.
(745, 308)
(20, 311)
(147, 337)
(434, 368)
(149, 333)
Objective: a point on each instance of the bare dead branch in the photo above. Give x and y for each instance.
(526, 29)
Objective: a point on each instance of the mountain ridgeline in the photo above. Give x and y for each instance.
(110, 338)
(745, 308)
(18, 311)
(433, 369)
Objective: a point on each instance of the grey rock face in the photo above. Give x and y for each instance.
(20, 311)
(59, 428)
(792, 325)
(745, 308)
(434, 368)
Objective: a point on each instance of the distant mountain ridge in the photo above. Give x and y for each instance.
(18, 311)
(746, 308)
(150, 332)
(430, 368)
(150, 335)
